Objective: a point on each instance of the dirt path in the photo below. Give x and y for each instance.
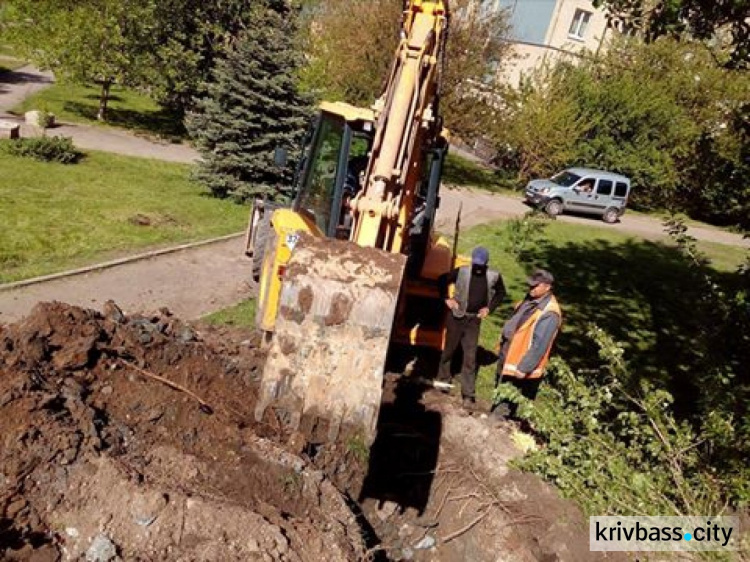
(191, 283)
(478, 207)
(18, 85)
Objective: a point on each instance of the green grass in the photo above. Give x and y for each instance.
(8, 63)
(127, 109)
(56, 217)
(241, 315)
(461, 171)
(639, 291)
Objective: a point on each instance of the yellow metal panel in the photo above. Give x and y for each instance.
(285, 223)
(348, 112)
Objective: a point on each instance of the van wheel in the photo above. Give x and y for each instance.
(553, 208)
(611, 215)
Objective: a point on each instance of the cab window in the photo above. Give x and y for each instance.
(318, 189)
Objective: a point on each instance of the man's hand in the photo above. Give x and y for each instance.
(451, 303)
(483, 312)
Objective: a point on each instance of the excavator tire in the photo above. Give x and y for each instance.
(324, 372)
(263, 230)
(257, 234)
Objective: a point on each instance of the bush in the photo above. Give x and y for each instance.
(46, 119)
(617, 450)
(45, 149)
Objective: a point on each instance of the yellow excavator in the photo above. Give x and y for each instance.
(352, 266)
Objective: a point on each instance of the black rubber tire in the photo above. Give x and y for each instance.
(611, 214)
(259, 244)
(553, 207)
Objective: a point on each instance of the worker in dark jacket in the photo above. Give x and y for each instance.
(527, 339)
(477, 293)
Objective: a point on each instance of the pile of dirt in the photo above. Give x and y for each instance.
(102, 460)
(134, 438)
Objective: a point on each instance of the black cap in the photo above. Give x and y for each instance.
(540, 276)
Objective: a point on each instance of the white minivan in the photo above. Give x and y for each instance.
(582, 190)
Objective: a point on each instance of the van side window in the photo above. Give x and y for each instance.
(604, 187)
(621, 189)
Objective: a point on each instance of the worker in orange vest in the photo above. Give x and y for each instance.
(527, 340)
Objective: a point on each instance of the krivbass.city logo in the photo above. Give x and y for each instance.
(684, 534)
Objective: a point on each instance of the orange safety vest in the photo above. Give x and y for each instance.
(521, 342)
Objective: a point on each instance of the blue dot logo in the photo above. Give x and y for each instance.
(688, 537)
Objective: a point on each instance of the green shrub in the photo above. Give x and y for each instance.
(46, 119)
(620, 450)
(46, 149)
(526, 233)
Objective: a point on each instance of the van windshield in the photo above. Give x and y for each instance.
(565, 179)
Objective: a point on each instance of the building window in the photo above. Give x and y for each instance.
(579, 24)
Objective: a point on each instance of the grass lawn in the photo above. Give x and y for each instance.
(638, 291)
(56, 217)
(127, 109)
(461, 171)
(241, 315)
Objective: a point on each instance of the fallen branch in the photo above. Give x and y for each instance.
(466, 527)
(205, 406)
(442, 503)
(464, 496)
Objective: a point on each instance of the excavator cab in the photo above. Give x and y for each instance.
(333, 166)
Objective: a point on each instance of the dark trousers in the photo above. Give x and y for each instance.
(464, 331)
(527, 387)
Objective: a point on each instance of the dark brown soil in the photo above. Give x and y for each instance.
(86, 437)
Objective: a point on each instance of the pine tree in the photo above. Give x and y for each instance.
(251, 107)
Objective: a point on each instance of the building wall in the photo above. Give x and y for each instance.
(532, 48)
(559, 30)
(529, 19)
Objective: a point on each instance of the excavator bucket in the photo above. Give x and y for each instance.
(325, 365)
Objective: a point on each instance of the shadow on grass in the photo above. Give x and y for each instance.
(95, 97)
(162, 122)
(460, 171)
(649, 298)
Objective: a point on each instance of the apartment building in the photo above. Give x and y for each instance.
(546, 30)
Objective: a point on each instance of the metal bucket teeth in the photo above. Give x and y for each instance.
(331, 337)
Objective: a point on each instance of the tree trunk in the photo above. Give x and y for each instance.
(103, 100)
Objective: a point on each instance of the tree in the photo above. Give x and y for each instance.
(726, 23)
(251, 107)
(664, 113)
(351, 44)
(103, 41)
(190, 36)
